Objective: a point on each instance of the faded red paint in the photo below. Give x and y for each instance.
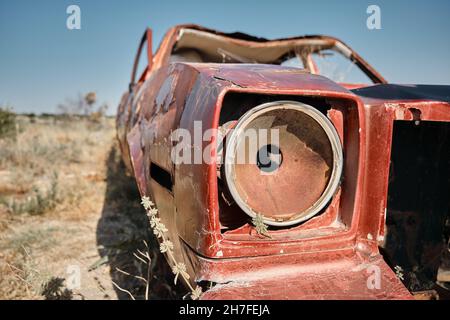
(325, 257)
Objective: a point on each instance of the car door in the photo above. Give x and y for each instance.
(125, 114)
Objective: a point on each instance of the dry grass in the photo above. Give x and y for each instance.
(66, 201)
(52, 188)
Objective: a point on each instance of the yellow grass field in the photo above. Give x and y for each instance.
(70, 218)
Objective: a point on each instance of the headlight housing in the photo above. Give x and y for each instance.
(288, 179)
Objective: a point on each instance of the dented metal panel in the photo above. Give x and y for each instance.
(319, 280)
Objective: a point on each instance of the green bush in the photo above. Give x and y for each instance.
(7, 123)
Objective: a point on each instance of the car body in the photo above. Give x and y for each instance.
(343, 251)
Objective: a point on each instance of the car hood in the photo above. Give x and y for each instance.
(266, 76)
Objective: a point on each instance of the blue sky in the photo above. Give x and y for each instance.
(42, 62)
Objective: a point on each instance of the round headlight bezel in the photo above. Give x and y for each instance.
(336, 146)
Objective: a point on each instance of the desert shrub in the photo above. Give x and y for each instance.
(7, 123)
(42, 144)
(83, 106)
(21, 275)
(37, 203)
(54, 289)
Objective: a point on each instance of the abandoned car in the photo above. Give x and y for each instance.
(349, 201)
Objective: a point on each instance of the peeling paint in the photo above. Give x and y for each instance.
(322, 258)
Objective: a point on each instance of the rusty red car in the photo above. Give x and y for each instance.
(351, 201)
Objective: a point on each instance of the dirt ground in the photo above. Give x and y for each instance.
(70, 218)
